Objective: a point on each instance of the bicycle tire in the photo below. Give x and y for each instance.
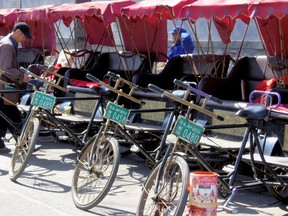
(90, 186)
(149, 204)
(24, 149)
(278, 192)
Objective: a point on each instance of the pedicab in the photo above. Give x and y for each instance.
(45, 115)
(265, 73)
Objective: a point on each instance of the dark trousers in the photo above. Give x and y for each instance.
(12, 113)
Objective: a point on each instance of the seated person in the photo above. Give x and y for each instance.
(182, 43)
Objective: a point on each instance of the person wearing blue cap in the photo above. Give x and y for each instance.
(182, 43)
(11, 74)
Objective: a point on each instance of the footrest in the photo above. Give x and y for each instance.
(220, 143)
(144, 127)
(77, 118)
(271, 160)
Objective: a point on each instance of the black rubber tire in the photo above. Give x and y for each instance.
(24, 148)
(166, 202)
(90, 185)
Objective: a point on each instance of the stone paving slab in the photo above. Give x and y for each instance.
(44, 188)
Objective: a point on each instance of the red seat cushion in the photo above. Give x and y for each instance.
(82, 83)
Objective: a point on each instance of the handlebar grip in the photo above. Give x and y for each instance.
(80, 89)
(116, 77)
(43, 67)
(113, 75)
(92, 78)
(197, 91)
(220, 118)
(181, 84)
(24, 70)
(203, 94)
(155, 88)
(216, 100)
(50, 68)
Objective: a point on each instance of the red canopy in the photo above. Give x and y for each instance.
(161, 8)
(216, 8)
(42, 28)
(266, 8)
(272, 21)
(69, 11)
(35, 14)
(7, 19)
(223, 12)
(96, 18)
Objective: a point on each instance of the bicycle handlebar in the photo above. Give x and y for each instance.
(26, 71)
(155, 88)
(184, 102)
(197, 91)
(50, 70)
(113, 75)
(116, 77)
(92, 78)
(43, 67)
(114, 89)
(270, 94)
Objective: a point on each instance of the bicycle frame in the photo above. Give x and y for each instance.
(173, 169)
(98, 161)
(16, 127)
(41, 112)
(253, 126)
(108, 124)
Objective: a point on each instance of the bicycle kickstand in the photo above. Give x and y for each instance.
(225, 207)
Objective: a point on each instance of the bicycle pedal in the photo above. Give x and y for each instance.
(37, 147)
(134, 149)
(228, 168)
(62, 138)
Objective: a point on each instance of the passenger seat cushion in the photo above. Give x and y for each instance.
(82, 83)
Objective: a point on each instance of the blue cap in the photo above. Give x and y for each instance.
(178, 29)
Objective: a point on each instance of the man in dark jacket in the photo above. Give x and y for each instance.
(11, 74)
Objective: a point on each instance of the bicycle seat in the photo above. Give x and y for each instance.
(253, 111)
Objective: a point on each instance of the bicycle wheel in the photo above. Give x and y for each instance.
(279, 192)
(92, 180)
(24, 149)
(172, 191)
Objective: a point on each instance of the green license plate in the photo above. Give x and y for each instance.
(43, 100)
(116, 113)
(188, 130)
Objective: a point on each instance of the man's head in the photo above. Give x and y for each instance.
(178, 30)
(176, 33)
(21, 32)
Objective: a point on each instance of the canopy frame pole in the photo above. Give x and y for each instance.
(225, 51)
(283, 53)
(118, 52)
(60, 37)
(119, 33)
(210, 41)
(242, 42)
(130, 33)
(43, 41)
(133, 41)
(194, 30)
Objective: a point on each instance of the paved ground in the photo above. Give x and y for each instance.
(44, 189)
